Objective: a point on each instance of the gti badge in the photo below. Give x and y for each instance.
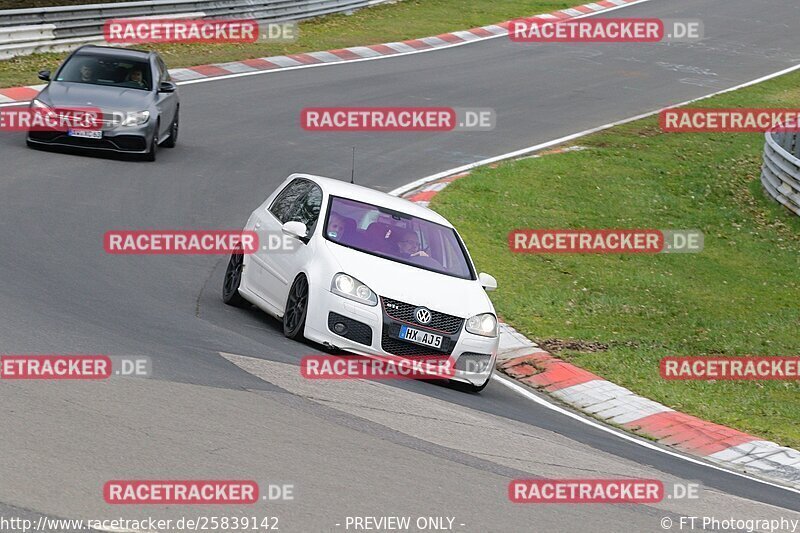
(422, 315)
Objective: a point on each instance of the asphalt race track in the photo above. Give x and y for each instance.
(351, 448)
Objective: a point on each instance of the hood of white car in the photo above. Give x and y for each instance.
(438, 292)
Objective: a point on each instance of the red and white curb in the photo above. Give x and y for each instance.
(20, 94)
(355, 53)
(523, 360)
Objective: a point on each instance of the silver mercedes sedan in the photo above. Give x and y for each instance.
(131, 88)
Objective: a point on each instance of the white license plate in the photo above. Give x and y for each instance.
(85, 134)
(420, 337)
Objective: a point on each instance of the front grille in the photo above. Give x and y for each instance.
(356, 331)
(77, 142)
(80, 142)
(391, 343)
(122, 143)
(473, 362)
(404, 312)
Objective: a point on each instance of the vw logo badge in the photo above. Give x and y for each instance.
(423, 315)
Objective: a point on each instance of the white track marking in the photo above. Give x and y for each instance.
(525, 392)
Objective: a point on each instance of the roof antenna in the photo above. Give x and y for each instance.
(353, 167)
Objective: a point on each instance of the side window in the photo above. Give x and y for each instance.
(286, 203)
(307, 210)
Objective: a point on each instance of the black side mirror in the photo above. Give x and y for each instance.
(44, 75)
(167, 87)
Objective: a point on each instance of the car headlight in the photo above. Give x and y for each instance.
(38, 104)
(350, 287)
(136, 118)
(484, 325)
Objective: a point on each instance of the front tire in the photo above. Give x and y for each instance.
(151, 154)
(294, 317)
(172, 140)
(233, 278)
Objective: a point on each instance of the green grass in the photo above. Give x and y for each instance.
(741, 296)
(408, 19)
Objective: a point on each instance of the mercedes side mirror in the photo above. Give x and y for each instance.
(167, 87)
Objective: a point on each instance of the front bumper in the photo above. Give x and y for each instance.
(128, 140)
(372, 331)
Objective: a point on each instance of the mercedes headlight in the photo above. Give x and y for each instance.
(136, 118)
(484, 325)
(38, 104)
(349, 287)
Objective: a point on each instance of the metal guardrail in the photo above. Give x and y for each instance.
(25, 31)
(780, 174)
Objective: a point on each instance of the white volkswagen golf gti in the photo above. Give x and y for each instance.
(370, 274)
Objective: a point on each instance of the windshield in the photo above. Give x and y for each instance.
(102, 70)
(397, 236)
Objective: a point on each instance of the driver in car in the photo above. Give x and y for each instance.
(137, 78)
(87, 73)
(407, 243)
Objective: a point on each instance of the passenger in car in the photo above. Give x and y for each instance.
(336, 227)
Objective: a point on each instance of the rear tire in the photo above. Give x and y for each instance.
(173, 132)
(233, 278)
(294, 317)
